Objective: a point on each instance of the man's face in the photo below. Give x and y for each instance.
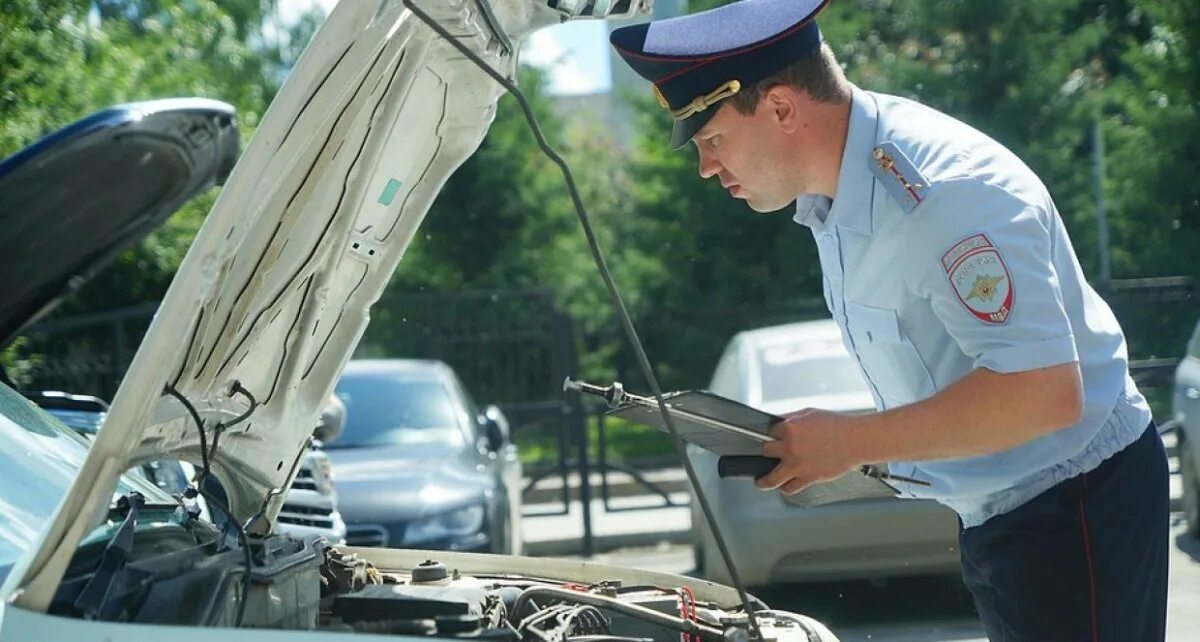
(746, 153)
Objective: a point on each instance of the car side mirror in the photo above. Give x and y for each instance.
(331, 421)
(495, 428)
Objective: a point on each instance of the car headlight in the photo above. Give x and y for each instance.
(457, 523)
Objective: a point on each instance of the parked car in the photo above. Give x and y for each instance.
(782, 369)
(311, 505)
(1186, 405)
(195, 144)
(250, 339)
(420, 465)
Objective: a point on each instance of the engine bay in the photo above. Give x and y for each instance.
(195, 577)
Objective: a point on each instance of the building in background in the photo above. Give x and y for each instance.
(608, 113)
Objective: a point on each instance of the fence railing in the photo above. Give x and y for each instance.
(514, 348)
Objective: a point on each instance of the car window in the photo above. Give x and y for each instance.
(393, 410)
(725, 379)
(471, 408)
(39, 459)
(1194, 344)
(807, 370)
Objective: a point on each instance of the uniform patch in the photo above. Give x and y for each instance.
(980, 278)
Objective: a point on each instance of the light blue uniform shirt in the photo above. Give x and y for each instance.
(943, 253)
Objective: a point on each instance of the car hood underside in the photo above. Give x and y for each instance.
(274, 293)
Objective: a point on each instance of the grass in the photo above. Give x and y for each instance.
(625, 441)
(628, 441)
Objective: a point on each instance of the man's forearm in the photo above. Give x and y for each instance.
(984, 412)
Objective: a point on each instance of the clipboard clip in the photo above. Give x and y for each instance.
(615, 394)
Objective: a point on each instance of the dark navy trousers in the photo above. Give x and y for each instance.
(1085, 561)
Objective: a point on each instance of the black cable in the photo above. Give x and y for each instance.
(170, 390)
(243, 539)
(617, 302)
(221, 427)
(238, 389)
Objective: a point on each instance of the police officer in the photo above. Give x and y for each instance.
(1000, 376)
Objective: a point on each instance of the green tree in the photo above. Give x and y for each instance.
(60, 61)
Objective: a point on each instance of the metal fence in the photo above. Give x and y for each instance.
(513, 348)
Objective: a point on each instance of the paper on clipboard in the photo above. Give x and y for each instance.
(694, 412)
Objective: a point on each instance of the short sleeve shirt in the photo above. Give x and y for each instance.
(943, 253)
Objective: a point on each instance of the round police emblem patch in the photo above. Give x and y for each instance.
(980, 279)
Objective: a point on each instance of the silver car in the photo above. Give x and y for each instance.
(782, 369)
(1187, 418)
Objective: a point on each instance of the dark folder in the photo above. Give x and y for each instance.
(704, 419)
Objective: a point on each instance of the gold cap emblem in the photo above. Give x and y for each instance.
(699, 103)
(658, 95)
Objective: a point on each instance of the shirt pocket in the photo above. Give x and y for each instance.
(887, 356)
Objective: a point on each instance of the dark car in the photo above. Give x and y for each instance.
(1187, 417)
(75, 200)
(419, 465)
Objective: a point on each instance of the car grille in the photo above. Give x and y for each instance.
(304, 480)
(366, 536)
(306, 516)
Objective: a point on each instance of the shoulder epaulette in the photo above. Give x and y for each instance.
(899, 175)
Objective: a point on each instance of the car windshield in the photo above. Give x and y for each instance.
(39, 458)
(393, 410)
(808, 369)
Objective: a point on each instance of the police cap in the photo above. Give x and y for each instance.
(696, 62)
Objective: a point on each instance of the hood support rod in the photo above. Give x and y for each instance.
(614, 294)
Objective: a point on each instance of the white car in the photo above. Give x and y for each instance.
(783, 369)
(251, 336)
(311, 504)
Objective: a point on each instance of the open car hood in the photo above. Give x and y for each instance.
(73, 201)
(274, 293)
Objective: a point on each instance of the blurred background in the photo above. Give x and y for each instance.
(1099, 97)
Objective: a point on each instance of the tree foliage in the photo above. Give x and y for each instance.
(63, 59)
(1037, 75)
(695, 266)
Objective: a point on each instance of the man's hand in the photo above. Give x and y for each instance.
(812, 446)
(973, 416)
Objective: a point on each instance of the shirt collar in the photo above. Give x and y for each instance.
(856, 184)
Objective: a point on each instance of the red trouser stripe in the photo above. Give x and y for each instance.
(1087, 551)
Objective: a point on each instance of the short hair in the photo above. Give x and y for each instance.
(817, 73)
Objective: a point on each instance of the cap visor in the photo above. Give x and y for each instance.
(686, 128)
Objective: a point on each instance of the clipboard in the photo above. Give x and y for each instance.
(735, 433)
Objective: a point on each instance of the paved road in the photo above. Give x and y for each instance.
(931, 609)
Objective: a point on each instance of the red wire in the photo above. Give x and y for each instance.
(687, 610)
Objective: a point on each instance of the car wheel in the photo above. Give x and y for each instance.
(1191, 488)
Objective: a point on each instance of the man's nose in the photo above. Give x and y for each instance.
(709, 166)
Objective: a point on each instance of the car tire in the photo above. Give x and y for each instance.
(1190, 477)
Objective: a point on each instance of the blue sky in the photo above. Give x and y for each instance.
(575, 54)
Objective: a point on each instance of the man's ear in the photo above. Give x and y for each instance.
(784, 106)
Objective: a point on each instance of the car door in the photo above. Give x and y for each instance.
(502, 465)
(1187, 394)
